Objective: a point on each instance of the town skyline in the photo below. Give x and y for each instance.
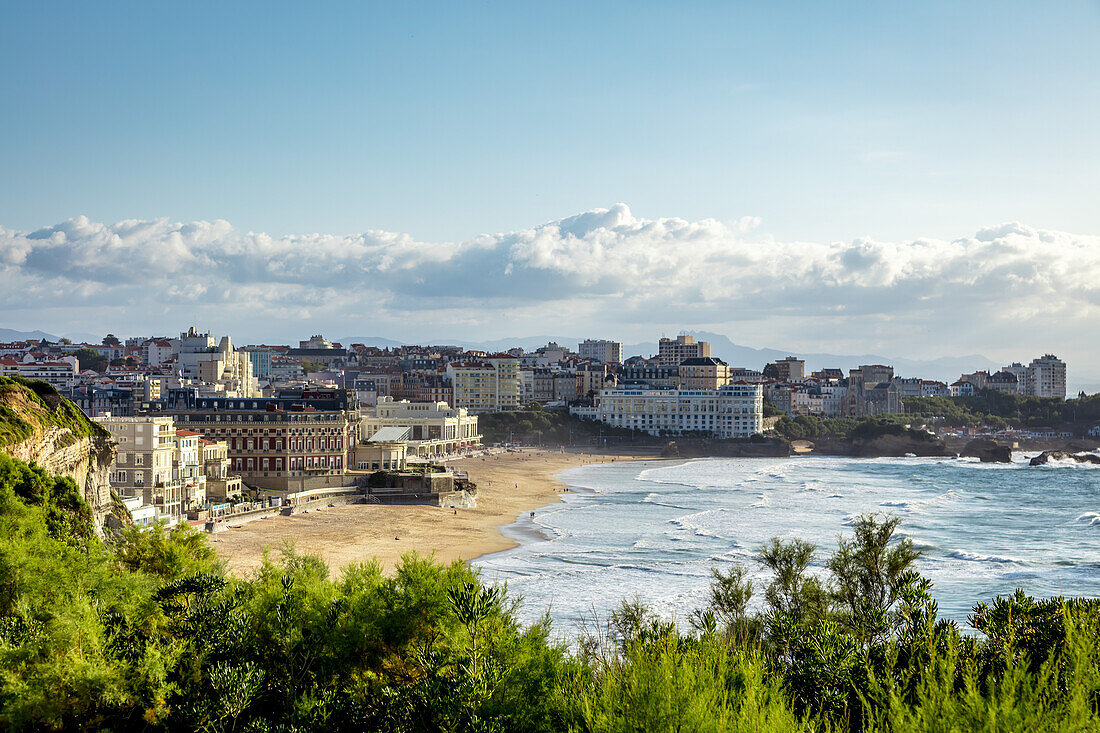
(1004, 289)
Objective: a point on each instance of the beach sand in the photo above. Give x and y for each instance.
(508, 484)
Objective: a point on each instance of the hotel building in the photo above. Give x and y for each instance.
(734, 411)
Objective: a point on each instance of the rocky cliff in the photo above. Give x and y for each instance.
(912, 443)
(38, 425)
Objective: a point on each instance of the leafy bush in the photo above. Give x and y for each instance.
(149, 633)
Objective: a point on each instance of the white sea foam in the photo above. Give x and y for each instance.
(655, 531)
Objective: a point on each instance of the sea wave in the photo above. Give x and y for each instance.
(978, 557)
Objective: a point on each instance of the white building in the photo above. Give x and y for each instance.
(602, 351)
(734, 411)
(431, 428)
(1046, 377)
(201, 360)
(60, 373)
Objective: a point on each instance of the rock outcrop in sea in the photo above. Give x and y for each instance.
(1061, 455)
(987, 451)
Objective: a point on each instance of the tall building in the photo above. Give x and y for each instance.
(1047, 377)
(670, 352)
(791, 369)
(489, 384)
(604, 352)
(260, 357)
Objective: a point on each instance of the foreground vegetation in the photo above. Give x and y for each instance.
(148, 632)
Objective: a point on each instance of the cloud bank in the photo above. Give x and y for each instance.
(602, 271)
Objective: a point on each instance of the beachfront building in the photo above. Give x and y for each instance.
(386, 450)
(296, 440)
(432, 428)
(734, 411)
(488, 384)
(221, 485)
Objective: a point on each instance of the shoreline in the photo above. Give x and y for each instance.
(509, 485)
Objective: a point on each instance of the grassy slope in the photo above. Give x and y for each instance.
(27, 406)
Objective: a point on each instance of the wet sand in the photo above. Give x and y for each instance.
(508, 484)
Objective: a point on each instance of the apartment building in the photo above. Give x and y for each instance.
(790, 369)
(734, 411)
(260, 356)
(703, 372)
(650, 376)
(601, 351)
(156, 351)
(1046, 377)
(60, 373)
(670, 352)
(433, 428)
(146, 464)
(489, 384)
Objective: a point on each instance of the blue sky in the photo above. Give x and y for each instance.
(915, 179)
(829, 121)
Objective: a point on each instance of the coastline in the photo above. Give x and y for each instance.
(509, 485)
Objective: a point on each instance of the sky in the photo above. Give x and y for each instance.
(915, 179)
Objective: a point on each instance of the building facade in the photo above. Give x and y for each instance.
(670, 352)
(734, 411)
(601, 351)
(434, 428)
(1047, 377)
(298, 439)
(703, 372)
(491, 384)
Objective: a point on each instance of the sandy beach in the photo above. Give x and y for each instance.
(508, 484)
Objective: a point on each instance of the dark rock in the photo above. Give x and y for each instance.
(988, 451)
(1061, 455)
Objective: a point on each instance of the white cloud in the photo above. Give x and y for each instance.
(603, 270)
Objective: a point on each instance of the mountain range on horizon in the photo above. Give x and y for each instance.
(945, 369)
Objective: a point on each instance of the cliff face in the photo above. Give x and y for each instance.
(86, 460)
(38, 425)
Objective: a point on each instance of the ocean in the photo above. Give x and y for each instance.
(653, 530)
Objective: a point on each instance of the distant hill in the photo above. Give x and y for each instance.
(376, 341)
(9, 334)
(943, 368)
